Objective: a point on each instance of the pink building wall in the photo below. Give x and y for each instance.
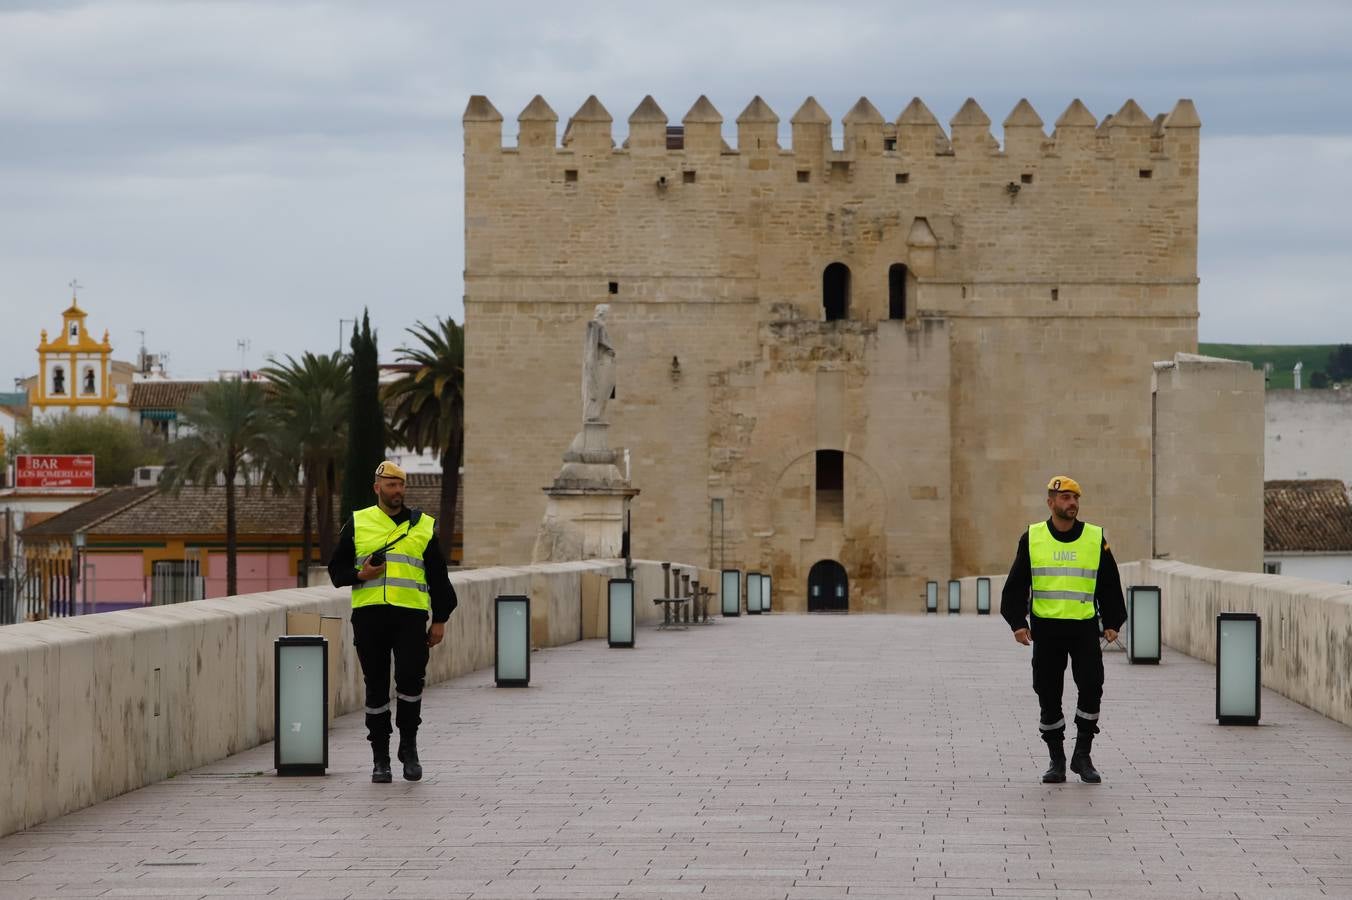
(254, 573)
(115, 579)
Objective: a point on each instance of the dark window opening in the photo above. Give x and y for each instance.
(1146, 173)
(1056, 293)
(889, 143)
(903, 177)
(675, 137)
(614, 287)
(830, 485)
(688, 176)
(570, 174)
(896, 291)
(1026, 178)
(830, 470)
(804, 176)
(836, 291)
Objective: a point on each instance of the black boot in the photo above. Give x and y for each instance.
(408, 755)
(1081, 764)
(1056, 772)
(380, 769)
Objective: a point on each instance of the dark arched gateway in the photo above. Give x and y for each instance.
(828, 587)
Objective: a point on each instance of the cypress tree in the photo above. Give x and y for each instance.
(366, 436)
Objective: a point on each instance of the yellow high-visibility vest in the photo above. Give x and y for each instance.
(405, 580)
(1064, 574)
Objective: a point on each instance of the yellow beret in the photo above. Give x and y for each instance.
(1064, 483)
(388, 469)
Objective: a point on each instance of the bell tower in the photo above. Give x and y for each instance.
(73, 369)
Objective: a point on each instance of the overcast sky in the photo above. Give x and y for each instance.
(224, 172)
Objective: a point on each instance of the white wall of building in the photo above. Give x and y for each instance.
(1335, 568)
(1307, 435)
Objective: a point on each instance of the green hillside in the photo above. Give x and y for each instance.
(1282, 356)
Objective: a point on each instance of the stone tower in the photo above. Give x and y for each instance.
(852, 365)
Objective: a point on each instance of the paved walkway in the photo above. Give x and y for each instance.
(773, 757)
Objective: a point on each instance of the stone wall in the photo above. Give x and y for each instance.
(1307, 627)
(1307, 435)
(1043, 277)
(95, 706)
(1208, 463)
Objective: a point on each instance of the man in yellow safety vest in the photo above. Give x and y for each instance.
(391, 557)
(1065, 567)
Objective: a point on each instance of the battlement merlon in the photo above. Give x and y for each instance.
(1128, 133)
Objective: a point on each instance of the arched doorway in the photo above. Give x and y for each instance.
(836, 291)
(828, 587)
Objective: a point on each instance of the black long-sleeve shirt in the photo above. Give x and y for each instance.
(1014, 600)
(343, 567)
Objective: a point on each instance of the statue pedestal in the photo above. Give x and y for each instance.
(584, 517)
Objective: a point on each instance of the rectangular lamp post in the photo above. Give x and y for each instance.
(983, 596)
(732, 592)
(931, 596)
(300, 704)
(954, 597)
(1143, 616)
(753, 593)
(620, 612)
(765, 593)
(511, 641)
(1239, 671)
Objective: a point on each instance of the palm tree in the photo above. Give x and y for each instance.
(229, 428)
(309, 404)
(429, 407)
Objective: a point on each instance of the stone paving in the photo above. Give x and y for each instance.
(800, 757)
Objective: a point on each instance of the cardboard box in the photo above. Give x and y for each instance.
(331, 629)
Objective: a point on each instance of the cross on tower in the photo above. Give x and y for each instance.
(75, 288)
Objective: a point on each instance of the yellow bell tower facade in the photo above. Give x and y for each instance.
(74, 370)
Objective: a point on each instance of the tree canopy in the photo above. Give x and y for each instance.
(119, 446)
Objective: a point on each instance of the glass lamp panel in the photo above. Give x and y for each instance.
(1238, 668)
(300, 704)
(1144, 617)
(621, 612)
(732, 591)
(513, 640)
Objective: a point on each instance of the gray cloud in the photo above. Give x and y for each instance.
(218, 171)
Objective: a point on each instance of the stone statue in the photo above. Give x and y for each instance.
(598, 367)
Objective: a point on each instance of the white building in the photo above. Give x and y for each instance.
(1307, 529)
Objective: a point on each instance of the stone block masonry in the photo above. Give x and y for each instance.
(956, 317)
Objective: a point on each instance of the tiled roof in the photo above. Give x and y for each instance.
(258, 511)
(1313, 515)
(13, 398)
(422, 490)
(78, 518)
(163, 394)
(202, 511)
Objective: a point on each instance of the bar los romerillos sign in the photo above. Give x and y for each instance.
(54, 470)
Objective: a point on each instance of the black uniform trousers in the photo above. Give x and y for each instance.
(379, 631)
(1052, 644)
